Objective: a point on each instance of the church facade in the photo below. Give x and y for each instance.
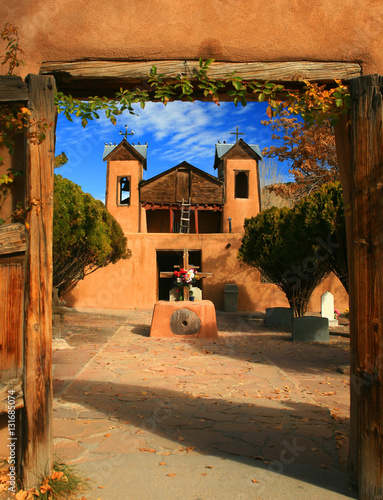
(183, 208)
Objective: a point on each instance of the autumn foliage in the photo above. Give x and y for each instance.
(309, 150)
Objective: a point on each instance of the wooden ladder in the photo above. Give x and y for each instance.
(185, 216)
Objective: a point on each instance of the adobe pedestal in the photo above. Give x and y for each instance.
(184, 319)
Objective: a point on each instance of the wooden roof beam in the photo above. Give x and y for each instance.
(177, 206)
(86, 77)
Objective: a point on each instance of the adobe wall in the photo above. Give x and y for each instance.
(131, 283)
(233, 30)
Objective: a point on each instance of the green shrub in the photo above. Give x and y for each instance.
(85, 235)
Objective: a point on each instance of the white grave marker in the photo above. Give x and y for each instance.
(327, 308)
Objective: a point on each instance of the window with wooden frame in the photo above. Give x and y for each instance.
(123, 191)
(241, 184)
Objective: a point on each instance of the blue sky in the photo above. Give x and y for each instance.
(180, 131)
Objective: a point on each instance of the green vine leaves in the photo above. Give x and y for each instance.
(10, 36)
(313, 102)
(15, 119)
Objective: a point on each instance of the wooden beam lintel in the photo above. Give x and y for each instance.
(13, 89)
(79, 77)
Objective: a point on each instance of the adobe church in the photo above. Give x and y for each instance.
(183, 207)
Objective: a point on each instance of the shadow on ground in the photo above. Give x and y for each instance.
(277, 437)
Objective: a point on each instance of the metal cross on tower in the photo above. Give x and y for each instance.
(236, 133)
(126, 133)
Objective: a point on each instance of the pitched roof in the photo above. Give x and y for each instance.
(142, 149)
(184, 164)
(222, 149)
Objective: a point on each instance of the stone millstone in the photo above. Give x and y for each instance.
(184, 319)
(185, 322)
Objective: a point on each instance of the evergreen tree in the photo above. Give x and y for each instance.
(85, 235)
(297, 248)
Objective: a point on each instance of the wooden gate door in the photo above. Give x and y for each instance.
(12, 248)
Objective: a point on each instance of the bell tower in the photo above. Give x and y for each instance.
(238, 168)
(125, 165)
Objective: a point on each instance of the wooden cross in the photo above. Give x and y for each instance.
(187, 267)
(236, 133)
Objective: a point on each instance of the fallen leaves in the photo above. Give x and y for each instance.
(57, 475)
(21, 495)
(148, 450)
(31, 494)
(171, 475)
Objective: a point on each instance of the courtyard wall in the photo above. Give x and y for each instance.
(132, 283)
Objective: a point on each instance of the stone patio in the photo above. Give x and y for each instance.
(249, 415)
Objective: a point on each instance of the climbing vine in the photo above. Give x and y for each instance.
(10, 36)
(14, 119)
(313, 102)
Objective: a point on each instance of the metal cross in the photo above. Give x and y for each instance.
(126, 133)
(236, 133)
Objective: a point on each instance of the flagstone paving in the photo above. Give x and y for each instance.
(249, 415)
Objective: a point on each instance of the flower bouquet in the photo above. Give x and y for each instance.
(184, 279)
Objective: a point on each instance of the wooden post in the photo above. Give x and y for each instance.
(185, 262)
(366, 285)
(343, 150)
(37, 445)
(196, 219)
(171, 220)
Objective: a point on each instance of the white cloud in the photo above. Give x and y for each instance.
(180, 131)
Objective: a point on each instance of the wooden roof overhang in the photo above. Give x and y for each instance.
(177, 206)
